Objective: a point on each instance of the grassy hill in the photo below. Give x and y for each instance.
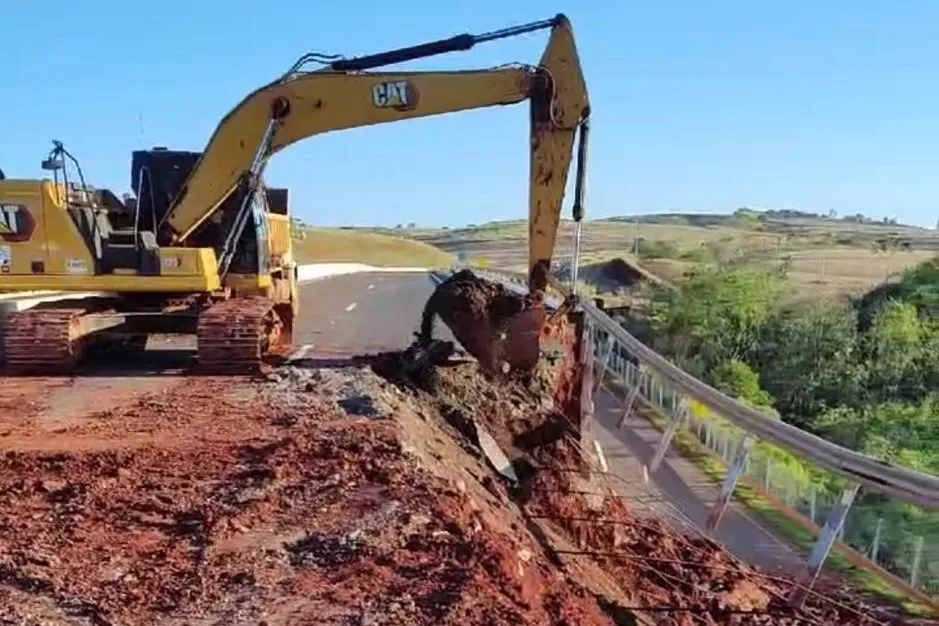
(826, 256)
(326, 245)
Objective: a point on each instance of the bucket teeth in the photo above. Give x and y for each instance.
(42, 341)
(236, 335)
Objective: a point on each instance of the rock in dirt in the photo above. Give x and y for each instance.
(353, 388)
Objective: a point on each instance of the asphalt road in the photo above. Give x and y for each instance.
(360, 313)
(679, 491)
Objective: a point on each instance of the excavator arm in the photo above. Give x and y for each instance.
(343, 94)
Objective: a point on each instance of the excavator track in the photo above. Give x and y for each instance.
(42, 341)
(236, 335)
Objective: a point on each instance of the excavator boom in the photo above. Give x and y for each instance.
(347, 94)
(320, 102)
(343, 95)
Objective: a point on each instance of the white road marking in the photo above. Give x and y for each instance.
(300, 352)
(370, 287)
(350, 307)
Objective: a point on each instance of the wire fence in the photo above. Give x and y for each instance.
(900, 538)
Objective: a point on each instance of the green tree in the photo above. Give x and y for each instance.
(918, 286)
(903, 434)
(895, 347)
(809, 361)
(931, 354)
(717, 315)
(737, 379)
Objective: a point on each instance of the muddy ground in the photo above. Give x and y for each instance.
(344, 495)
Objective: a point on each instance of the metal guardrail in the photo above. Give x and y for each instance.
(647, 374)
(904, 484)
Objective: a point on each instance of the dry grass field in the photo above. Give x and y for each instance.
(322, 245)
(825, 257)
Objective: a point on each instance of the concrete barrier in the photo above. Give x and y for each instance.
(316, 271)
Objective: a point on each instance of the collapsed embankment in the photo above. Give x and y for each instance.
(631, 564)
(322, 496)
(353, 494)
(335, 496)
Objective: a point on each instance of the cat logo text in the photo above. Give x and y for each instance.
(399, 95)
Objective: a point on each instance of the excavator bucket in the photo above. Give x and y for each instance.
(506, 332)
(512, 337)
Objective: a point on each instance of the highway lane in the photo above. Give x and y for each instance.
(680, 491)
(361, 313)
(339, 317)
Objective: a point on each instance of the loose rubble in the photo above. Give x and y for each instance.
(276, 502)
(671, 577)
(352, 494)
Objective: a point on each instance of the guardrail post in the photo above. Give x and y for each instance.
(677, 416)
(631, 397)
(605, 363)
(875, 547)
(820, 551)
(586, 394)
(730, 483)
(917, 558)
(812, 504)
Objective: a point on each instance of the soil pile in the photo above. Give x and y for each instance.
(499, 328)
(671, 577)
(321, 496)
(341, 496)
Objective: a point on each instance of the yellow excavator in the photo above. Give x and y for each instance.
(204, 248)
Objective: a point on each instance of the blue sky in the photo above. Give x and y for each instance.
(697, 106)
